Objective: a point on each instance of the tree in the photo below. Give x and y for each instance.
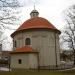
(68, 35)
(8, 13)
(8, 18)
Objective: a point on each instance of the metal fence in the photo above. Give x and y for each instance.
(58, 67)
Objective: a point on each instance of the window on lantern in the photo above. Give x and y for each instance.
(27, 41)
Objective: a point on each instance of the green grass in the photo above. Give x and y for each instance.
(44, 72)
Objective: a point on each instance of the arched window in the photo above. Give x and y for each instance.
(27, 41)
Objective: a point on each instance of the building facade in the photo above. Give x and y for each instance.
(35, 44)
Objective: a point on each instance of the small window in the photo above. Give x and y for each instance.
(27, 41)
(19, 61)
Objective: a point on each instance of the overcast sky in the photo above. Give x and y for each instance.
(49, 9)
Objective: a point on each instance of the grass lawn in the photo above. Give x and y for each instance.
(44, 72)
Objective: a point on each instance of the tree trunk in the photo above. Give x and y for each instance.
(74, 57)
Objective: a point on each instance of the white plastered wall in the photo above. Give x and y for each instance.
(44, 43)
(29, 61)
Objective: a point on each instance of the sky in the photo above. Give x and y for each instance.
(52, 10)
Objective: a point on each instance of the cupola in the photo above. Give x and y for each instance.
(34, 13)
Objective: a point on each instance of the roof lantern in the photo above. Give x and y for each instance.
(34, 13)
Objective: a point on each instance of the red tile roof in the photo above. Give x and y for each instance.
(25, 49)
(35, 23)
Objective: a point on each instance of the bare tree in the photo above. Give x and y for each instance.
(9, 3)
(68, 35)
(8, 11)
(8, 18)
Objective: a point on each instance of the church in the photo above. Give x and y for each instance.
(35, 44)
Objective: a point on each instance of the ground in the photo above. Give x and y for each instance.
(43, 72)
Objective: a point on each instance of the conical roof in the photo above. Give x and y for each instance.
(36, 23)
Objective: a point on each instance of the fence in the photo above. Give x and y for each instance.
(58, 67)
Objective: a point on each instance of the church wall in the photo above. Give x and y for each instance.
(29, 61)
(47, 50)
(44, 42)
(33, 61)
(58, 48)
(16, 57)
